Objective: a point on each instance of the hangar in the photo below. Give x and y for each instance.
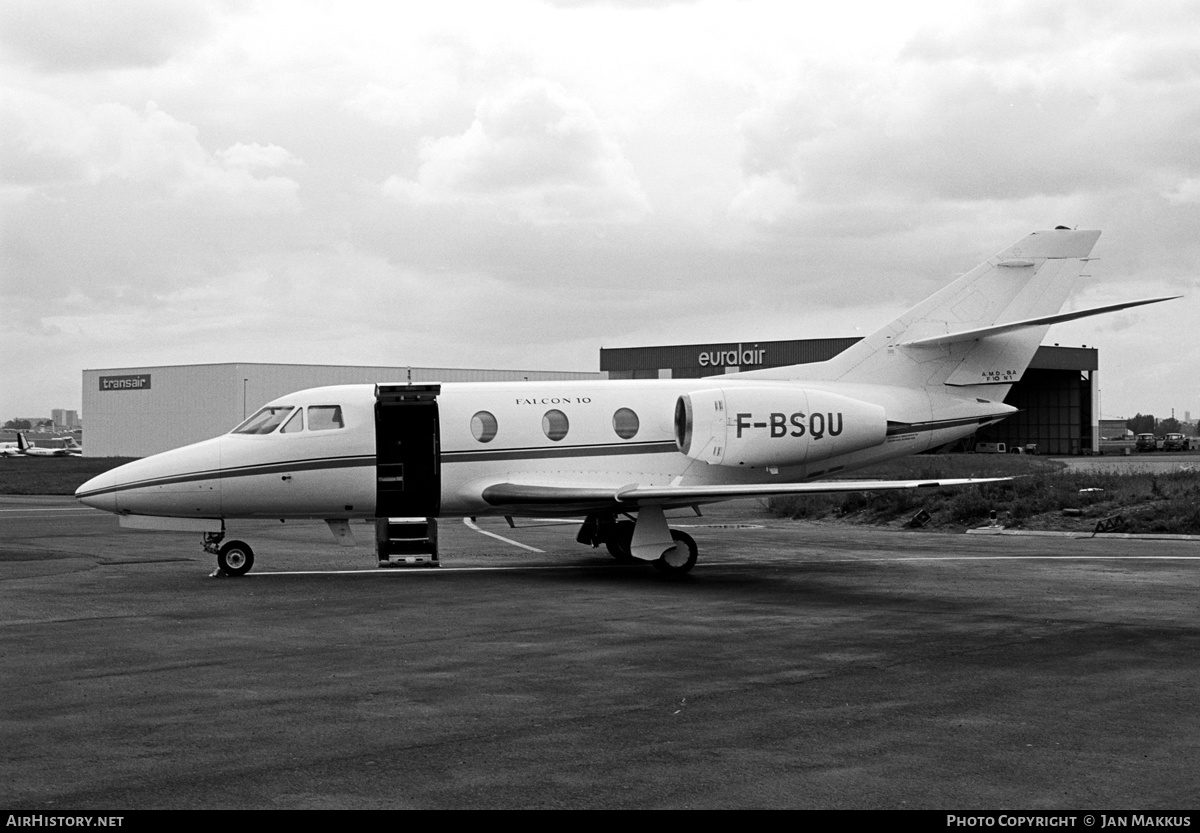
(1058, 393)
(137, 411)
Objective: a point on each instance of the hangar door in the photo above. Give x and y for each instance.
(407, 464)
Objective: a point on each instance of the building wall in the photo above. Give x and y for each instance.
(1113, 429)
(137, 411)
(695, 361)
(64, 418)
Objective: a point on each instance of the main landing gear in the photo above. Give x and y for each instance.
(234, 558)
(681, 559)
(618, 537)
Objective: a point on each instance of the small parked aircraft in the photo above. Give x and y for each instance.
(24, 448)
(620, 453)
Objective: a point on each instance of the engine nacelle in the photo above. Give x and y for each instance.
(774, 426)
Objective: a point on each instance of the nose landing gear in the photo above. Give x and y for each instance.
(235, 558)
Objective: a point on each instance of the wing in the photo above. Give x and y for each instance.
(543, 497)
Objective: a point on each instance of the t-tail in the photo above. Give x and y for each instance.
(981, 330)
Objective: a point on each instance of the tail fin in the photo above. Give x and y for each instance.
(1020, 287)
(22, 443)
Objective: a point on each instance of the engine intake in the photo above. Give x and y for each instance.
(774, 426)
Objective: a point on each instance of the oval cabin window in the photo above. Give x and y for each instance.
(555, 425)
(484, 427)
(625, 423)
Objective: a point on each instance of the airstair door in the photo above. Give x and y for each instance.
(407, 457)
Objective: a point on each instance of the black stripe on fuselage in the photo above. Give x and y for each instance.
(242, 471)
(542, 453)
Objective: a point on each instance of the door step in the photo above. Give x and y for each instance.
(406, 542)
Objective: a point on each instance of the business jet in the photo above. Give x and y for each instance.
(620, 453)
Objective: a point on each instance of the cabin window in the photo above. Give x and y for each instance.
(295, 424)
(625, 423)
(325, 417)
(265, 421)
(555, 425)
(484, 427)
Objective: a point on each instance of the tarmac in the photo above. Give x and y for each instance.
(800, 665)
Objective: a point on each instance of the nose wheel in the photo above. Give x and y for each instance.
(235, 558)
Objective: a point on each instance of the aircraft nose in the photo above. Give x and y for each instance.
(90, 494)
(101, 491)
(184, 482)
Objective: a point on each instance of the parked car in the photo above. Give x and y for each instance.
(1175, 442)
(1146, 442)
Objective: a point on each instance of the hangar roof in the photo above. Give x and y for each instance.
(798, 351)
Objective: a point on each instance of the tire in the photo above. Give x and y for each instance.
(235, 558)
(620, 541)
(671, 563)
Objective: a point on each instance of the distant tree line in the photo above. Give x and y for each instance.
(26, 425)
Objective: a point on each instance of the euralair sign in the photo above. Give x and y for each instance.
(139, 381)
(741, 357)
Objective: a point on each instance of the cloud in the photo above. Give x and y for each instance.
(766, 199)
(41, 140)
(1009, 107)
(533, 151)
(256, 156)
(50, 143)
(80, 35)
(1187, 191)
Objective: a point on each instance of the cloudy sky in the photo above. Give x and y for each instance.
(517, 184)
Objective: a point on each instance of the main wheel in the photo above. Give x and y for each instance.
(235, 558)
(681, 559)
(620, 541)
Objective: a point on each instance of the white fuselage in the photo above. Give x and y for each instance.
(596, 434)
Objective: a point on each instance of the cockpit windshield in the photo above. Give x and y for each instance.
(265, 421)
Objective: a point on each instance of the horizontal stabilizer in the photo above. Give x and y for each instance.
(1000, 329)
